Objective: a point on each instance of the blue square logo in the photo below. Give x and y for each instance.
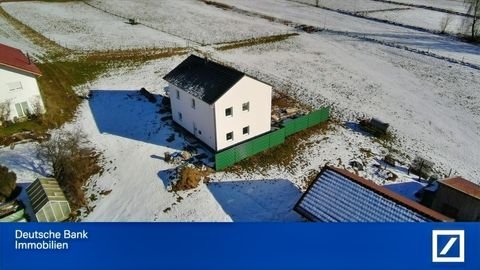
(448, 246)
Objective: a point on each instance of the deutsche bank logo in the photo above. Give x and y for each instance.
(448, 246)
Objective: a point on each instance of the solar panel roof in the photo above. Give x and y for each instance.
(339, 196)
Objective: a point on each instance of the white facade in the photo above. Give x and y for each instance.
(20, 90)
(242, 113)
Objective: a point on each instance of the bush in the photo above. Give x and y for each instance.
(8, 182)
(73, 163)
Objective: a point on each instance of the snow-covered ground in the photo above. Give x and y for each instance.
(192, 19)
(132, 138)
(304, 14)
(422, 18)
(454, 5)
(418, 17)
(78, 26)
(432, 105)
(10, 36)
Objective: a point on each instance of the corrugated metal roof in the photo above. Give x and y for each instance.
(463, 185)
(340, 196)
(14, 58)
(203, 78)
(44, 190)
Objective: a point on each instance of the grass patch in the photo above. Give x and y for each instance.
(283, 155)
(254, 41)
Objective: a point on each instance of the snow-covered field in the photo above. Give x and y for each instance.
(427, 19)
(304, 14)
(454, 5)
(192, 19)
(432, 105)
(418, 17)
(9, 36)
(78, 26)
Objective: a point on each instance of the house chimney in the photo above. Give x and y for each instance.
(28, 57)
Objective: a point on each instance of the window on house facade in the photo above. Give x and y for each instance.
(246, 130)
(22, 109)
(178, 94)
(229, 111)
(246, 106)
(180, 116)
(230, 136)
(193, 103)
(15, 86)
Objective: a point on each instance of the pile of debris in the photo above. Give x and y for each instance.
(190, 176)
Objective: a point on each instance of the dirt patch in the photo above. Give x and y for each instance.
(283, 155)
(190, 177)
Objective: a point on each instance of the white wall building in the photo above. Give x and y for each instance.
(18, 84)
(219, 105)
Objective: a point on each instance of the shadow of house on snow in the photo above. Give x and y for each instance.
(406, 189)
(130, 115)
(257, 200)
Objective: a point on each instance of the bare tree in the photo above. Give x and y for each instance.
(5, 111)
(474, 12)
(72, 161)
(445, 23)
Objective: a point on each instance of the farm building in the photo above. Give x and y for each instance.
(19, 92)
(337, 195)
(48, 201)
(221, 106)
(455, 197)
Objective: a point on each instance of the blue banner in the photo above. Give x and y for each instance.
(239, 246)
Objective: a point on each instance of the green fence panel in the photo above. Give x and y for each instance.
(224, 159)
(231, 156)
(325, 114)
(261, 143)
(277, 137)
(314, 118)
(289, 127)
(301, 123)
(243, 151)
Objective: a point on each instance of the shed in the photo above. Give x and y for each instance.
(48, 200)
(340, 196)
(457, 198)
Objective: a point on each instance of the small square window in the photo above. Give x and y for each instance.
(229, 111)
(246, 106)
(230, 136)
(180, 116)
(246, 130)
(15, 86)
(178, 94)
(193, 103)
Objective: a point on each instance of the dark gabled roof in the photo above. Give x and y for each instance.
(462, 185)
(203, 78)
(340, 196)
(14, 58)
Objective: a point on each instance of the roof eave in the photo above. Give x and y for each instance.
(24, 70)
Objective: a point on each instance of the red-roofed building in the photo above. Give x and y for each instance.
(455, 197)
(19, 92)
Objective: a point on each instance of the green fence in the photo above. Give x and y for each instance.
(254, 146)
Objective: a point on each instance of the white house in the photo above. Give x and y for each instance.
(221, 106)
(18, 85)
